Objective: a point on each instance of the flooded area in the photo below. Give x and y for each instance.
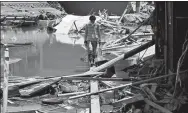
(50, 54)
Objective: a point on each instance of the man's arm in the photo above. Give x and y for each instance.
(86, 33)
(98, 33)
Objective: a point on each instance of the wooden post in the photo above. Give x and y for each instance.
(95, 103)
(6, 73)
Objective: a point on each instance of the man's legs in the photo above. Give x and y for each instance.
(94, 47)
(89, 55)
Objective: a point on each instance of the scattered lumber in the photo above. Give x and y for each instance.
(28, 108)
(162, 109)
(132, 31)
(25, 83)
(122, 86)
(37, 88)
(128, 100)
(123, 56)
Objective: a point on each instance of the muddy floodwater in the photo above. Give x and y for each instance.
(50, 54)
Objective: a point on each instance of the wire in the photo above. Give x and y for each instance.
(179, 64)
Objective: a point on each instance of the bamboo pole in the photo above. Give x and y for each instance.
(6, 73)
(122, 86)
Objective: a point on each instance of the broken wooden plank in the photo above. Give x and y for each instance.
(125, 85)
(11, 61)
(162, 109)
(25, 83)
(128, 100)
(53, 101)
(148, 92)
(95, 103)
(101, 79)
(23, 108)
(123, 56)
(124, 12)
(70, 94)
(88, 73)
(37, 88)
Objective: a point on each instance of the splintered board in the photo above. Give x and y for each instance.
(37, 88)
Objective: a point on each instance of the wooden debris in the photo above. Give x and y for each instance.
(11, 61)
(26, 83)
(128, 100)
(24, 108)
(37, 88)
(52, 101)
(122, 86)
(13, 91)
(70, 94)
(149, 93)
(162, 109)
(107, 108)
(101, 79)
(124, 56)
(137, 111)
(95, 103)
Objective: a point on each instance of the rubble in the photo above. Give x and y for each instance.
(145, 90)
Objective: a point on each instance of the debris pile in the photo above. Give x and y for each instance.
(28, 14)
(145, 91)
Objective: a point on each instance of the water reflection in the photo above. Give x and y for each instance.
(50, 55)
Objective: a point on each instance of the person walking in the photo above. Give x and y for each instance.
(92, 36)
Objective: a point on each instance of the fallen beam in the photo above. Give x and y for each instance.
(70, 94)
(38, 88)
(125, 85)
(123, 56)
(101, 79)
(162, 109)
(88, 73)
(125, 11)
(128, 100)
